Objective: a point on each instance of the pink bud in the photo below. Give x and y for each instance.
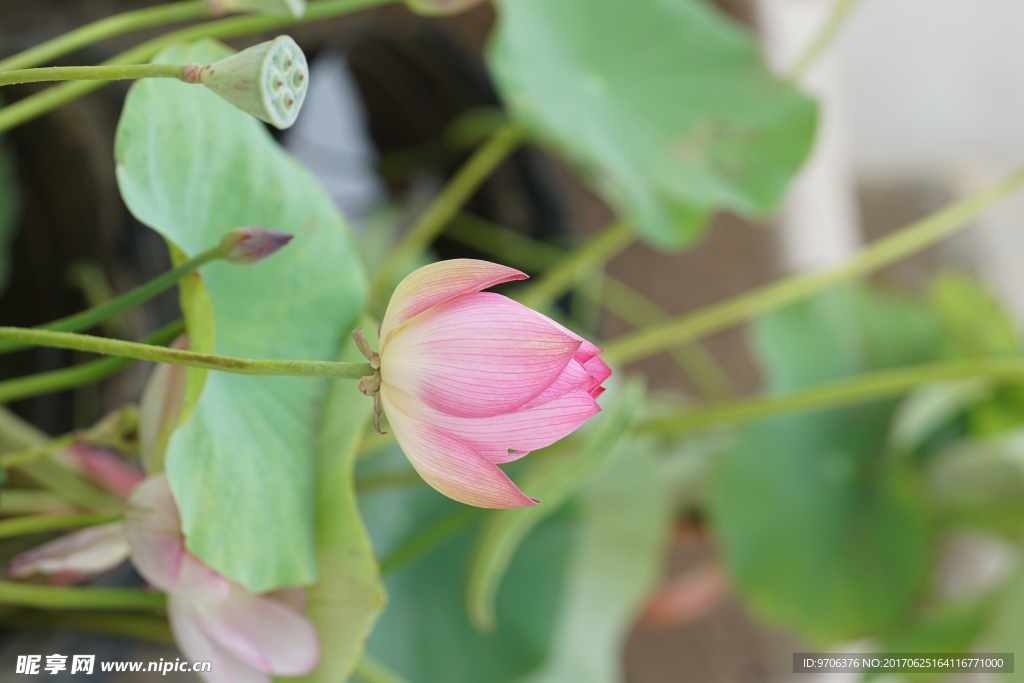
(249, 245)
(472, 379)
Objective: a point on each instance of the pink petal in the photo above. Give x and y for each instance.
(197, 645)
(87, 551)
(294, 598)
(575, 376)
(154, 535)
(521, 431)
(438, 282)
(599, 372)
(110, 471)
(587, 349)
(265, 633)
(450, 465)
(153, 529)
(476, 355)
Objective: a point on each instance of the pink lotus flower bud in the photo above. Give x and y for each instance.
(471, 379)
(247, 637)
(249, 245)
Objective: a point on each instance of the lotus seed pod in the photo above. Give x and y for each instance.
(268, 80)
(295, 8)
(441, 7)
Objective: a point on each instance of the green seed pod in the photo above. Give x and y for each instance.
(268, 80)
(295, 8)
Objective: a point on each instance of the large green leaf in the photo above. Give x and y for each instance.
(345, 603)
(553, 481)
(822, 531)
(242, 465)
(624, 519)
(425, 634)
(663, 103)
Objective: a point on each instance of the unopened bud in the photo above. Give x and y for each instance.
(441, 7)
(268, 81)
(295, 8)
(249, 245)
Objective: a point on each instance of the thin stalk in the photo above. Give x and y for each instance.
(822, 40)
(144, 292)
(909, 240)
(16, 433)
(371, 670)
(446, 205)
(102, 29)
(206, 361)
(73, 597)
(868, 387)
(635, 309)
(33, 453)
(79, 375)
(92, 73)
(39, 524)
(38, 104)
(153, 627)
(418, 544)
(560, 278)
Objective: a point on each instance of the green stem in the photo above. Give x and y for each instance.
(422, 542)
(38, 524)
(206, 361)
(68, 484)
(103, 29)
(559, 279)
(130, 299)
(32, 453)
(384, 480)
(38, 104)
(822, 40)
(872, 386)
(153, 627)
(73, 597)
(78, 375)
(92, 73)
(371, 670)
(446, 205)
(635, 309)
(899, 245)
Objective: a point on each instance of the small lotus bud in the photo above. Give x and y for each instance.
(440, 7)
(249, 245)
(268, 80)
(295, 8)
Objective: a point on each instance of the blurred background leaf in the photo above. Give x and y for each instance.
(611, 86)
(8, 210)
(192, 167)
(821, 531)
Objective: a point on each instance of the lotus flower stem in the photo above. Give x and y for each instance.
(34, 524)
(79, 375)
(72, 597)
(872, 386)
(108, 309)
(597, 251)
(206, 361)
(18, 458)
(105, 28)
(899, 245)
(92, 73)
(38, 104)
(822, 40)
(446, 205)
